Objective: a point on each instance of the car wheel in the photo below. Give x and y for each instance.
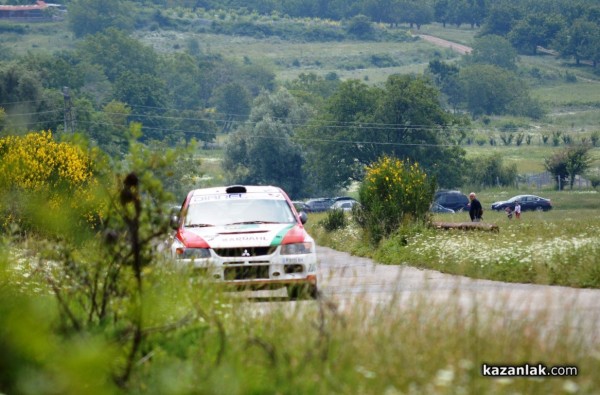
(307, 291)
(539, 208)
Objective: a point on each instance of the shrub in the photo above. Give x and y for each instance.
(393, 193)
(545, 138)
(556, 138)
(59, 173)
(335, 219)
(595, 180)
(570, 77)
(519, 139)
(491, 170)
(507, 139)
(595, 137)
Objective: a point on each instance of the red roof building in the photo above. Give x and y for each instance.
(26, 12)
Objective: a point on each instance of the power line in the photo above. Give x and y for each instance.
(371, 127)
(320, 123)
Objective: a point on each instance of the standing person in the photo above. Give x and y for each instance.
(475, 209)
(517, 210)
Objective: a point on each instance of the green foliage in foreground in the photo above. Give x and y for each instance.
(201, 341)
(559, 247)
(107, 315)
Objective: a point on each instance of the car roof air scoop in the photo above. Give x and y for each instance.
(236, 189)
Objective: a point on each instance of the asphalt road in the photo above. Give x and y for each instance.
(346, 280)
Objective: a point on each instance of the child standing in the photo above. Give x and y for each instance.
(518, 210)
(508, 212)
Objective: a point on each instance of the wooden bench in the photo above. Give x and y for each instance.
(466, 226)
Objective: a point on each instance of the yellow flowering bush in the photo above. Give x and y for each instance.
(36, 165)
(393, 192)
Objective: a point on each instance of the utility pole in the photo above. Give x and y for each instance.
(69, 117)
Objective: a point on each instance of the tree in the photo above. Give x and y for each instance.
(109, 128)
(146, 94)
(331, 143)
(501, 18)
(489, 89)
(441, 11)
(190, 125)
(567, 163)
(535, 30)
(446, 78)
(264, 152)
(313, 89)
(360, 26)
(27, 102)
(466, 11)
(117, 54)
(359, 124)
(232, 101)
(490, 171)
(186, 81)
(581, 40)
(494, 50)
(415, 13)
(93, 16)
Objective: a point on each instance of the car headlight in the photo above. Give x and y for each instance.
(192, 253)
(296, 248)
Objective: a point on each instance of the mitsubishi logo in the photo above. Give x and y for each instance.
(245, 253)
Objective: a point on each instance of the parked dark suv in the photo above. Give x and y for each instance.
(319, 205)
(455, 200)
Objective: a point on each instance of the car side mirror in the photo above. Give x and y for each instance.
(303, 217)
(174, 222)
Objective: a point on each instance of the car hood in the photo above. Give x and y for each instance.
(246, 235)
(500, 202)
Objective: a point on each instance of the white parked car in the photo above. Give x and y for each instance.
(247, 237)
(345, 205)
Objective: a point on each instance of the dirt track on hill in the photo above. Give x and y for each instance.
(462, 49)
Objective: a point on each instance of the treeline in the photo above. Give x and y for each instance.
(315, 136)
(570, 27)
(113, 79)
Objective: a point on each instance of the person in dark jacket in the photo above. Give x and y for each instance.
(475, 208)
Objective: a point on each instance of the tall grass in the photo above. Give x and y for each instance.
(560, 247)
(201, 340)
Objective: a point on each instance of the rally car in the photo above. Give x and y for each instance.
(246, 237)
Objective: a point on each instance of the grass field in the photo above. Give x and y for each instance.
(528, 158)
(199, 340)
(349, 59)
(561, 246)
(46, 37)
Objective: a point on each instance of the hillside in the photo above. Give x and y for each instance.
(231, 47)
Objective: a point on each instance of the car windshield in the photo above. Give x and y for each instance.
(515, 198)
(221, 212)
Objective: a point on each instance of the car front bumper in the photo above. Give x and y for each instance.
(256, 272)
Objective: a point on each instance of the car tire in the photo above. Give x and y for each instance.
(539, 209)
(300, 292)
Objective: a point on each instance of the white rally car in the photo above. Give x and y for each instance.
(247, 237)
